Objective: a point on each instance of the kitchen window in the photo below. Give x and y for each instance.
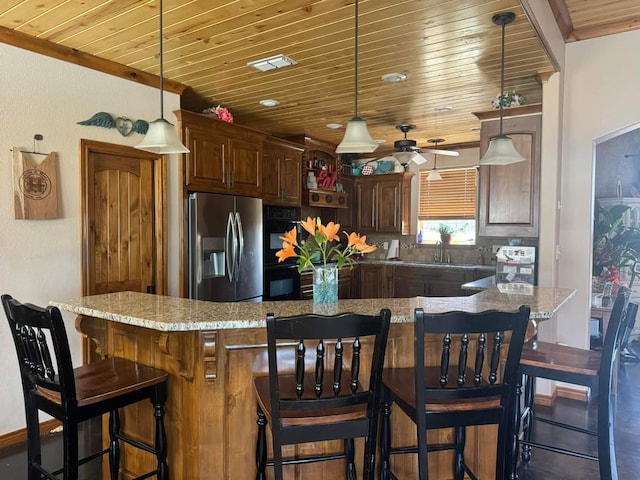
(450, 201)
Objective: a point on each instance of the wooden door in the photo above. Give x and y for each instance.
(346, 216)
(509, 195)
(124, 246)
(372, 281)
(389, 204)
(291, 177)
(205, 168)
(271, 189)
(244, 161)
(366, 204)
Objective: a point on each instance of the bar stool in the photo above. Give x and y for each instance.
(454, 394)
(316, 403)
(72, 396)
(578, 366)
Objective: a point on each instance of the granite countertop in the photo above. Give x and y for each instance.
(418, 263)
(165, 313)
(480, 284)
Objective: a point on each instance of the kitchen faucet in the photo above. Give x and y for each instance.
(439, 256)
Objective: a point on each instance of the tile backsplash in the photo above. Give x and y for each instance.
(479, 254)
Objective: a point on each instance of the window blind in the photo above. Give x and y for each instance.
(453, 197)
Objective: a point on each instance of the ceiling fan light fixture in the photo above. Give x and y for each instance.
(357, 138)
(501, 150)
(161, 137)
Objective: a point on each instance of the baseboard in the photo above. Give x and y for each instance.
(19, 436)
(573, 393)
(564, 392)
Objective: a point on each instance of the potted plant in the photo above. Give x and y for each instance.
(615, 246)
(445, 232)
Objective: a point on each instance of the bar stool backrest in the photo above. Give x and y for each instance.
(35, 331)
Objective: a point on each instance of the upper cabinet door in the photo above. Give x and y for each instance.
(223, 157)
(205, 169)
(281, 177)
(245, 166)
(509, 195)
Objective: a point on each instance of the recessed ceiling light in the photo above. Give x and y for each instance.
(378, 140)
(443, 108)
(271, 63)
(334, 126)
(394, 77)
(269, 102)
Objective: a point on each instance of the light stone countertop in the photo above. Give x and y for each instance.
(165, 313)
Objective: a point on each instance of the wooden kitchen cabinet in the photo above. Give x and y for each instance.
(346, 217)
(345, 284)
(412, 281)
(374, 281)
(282, 172)
(509, 195)
(383, 203)
(223, 157)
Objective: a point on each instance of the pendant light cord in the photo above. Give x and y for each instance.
(355, 96)
(161, 68)
(501, 75)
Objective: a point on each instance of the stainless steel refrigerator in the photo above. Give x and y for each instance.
(225, 247)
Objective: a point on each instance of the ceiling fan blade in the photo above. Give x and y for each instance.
(435, 151)
(418, 159)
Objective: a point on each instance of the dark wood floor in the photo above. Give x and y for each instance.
(543, 465)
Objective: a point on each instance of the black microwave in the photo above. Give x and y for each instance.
(276, 221)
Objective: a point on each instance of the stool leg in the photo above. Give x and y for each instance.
(512, 458)
(606, 447)
(114, 446)
(528, 418)
(161, 434)
(350, 450)
(458, 467)
(33, 440)
(261, 447)
(385, 443)
(70, 442)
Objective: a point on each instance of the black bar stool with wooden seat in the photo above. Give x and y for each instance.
(315, 403)
(72, 396)
(456, 393)
(578, 366)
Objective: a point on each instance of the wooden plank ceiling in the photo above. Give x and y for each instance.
(449, 51)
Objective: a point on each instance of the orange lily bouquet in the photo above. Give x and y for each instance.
(321, 245)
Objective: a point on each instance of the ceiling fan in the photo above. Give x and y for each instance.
(407, 150)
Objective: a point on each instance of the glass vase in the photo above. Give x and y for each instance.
(325, 284)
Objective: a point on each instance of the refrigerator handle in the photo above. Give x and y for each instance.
(230, 247)
(241, 244)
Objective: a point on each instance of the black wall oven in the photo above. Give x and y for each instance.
(281, 280)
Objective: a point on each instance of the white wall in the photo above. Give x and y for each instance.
(40, 259)
(600, 96)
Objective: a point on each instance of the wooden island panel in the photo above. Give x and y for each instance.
(212, 351)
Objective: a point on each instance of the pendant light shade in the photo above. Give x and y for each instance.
(162, 136)
(434, 175)
(501, 150)
(356, 136)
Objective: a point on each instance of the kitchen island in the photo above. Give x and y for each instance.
(212, 350)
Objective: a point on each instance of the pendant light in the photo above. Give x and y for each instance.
(356, 136)
(162, 136)
(501, 150)
(434, 174)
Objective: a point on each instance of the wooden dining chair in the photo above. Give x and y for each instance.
(324, 397)
(578, 366)
(474, 383)
(50, 384)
